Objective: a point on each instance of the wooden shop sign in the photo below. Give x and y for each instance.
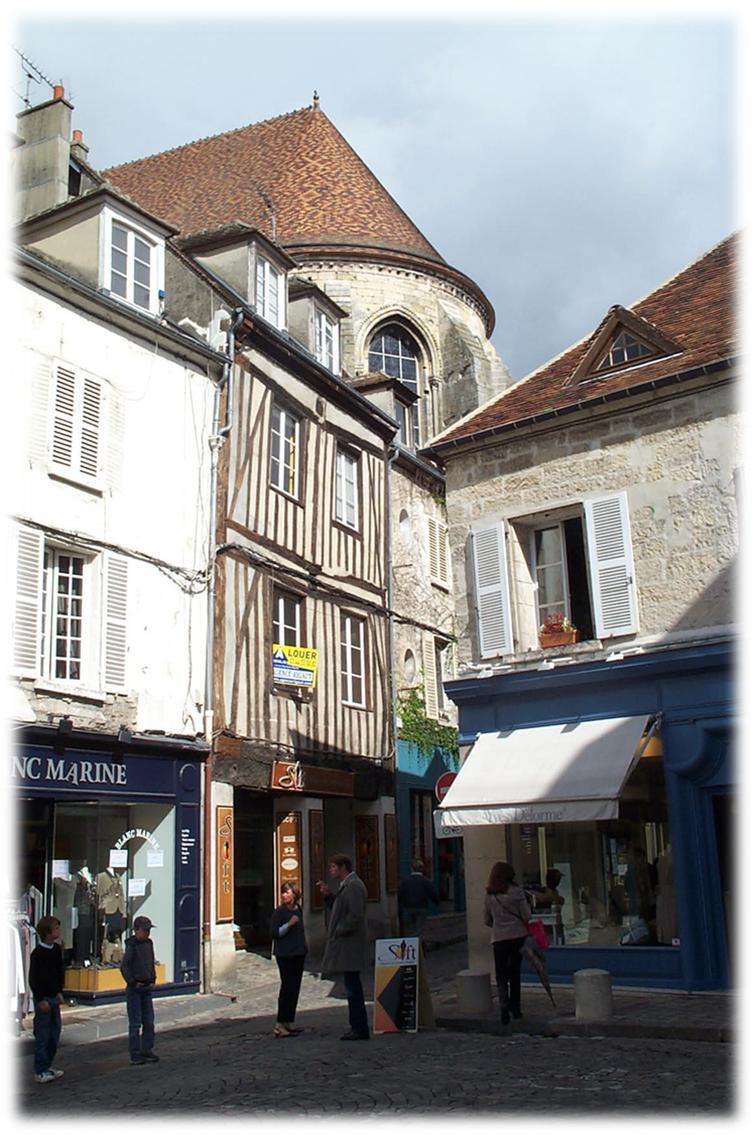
(224, 859)
(289, 850)
(292, 776)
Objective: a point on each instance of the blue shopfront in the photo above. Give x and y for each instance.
(109, 828)
(418, 772)
(645, 886)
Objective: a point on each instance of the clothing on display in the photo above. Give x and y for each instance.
(63, 905)
(110, 897)
(83, 933)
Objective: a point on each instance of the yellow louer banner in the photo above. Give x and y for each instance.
(294, 666)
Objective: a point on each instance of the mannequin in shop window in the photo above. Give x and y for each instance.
(111, 904)
(84, 903)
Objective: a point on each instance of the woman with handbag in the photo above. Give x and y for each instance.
(507, 912)
(287, 929)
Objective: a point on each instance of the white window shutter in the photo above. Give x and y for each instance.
(64, 417)
(27, 629)
(91, 400)
(492, 597)
(442, 554)
(114, 414)
(434, 566)
(431, 702)
(115, 620)
(611, 565)
(40, 410)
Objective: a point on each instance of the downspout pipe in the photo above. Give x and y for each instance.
(219, 433)
(393, 455)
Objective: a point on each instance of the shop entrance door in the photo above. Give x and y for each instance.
(255, 869)
(723, 808)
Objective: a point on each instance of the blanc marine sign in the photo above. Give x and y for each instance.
(294, 666)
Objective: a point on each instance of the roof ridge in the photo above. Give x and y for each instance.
(210, 138)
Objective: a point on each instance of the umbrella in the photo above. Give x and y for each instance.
(532, 954)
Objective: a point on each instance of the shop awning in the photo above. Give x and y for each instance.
(544, 775)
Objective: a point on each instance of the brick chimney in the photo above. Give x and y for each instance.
(79, 148)
(41, 163)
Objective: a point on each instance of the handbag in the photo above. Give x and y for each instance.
(534, 928)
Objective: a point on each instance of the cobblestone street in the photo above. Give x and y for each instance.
(236, 1067)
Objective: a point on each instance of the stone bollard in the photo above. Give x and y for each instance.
(593, 994)
(474, 992)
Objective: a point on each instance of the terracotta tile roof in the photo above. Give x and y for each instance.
(695, 310)
(321, 190)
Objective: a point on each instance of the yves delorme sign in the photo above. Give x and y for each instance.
(294, 666)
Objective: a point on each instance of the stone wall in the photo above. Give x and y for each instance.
(675, 456)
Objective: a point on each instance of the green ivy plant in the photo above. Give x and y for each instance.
(424, 731)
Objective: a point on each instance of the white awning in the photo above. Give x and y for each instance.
(544, 775)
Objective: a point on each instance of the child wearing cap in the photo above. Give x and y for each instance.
(139, 973)
(46, 984)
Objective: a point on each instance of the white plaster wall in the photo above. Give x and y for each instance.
(220, 961)
(154, 498)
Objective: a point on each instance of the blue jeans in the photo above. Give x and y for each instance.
(357, 1010)
(140, 1021)
(46, 1036)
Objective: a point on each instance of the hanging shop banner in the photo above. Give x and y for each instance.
(224, 858)
(294, 666)
(396, 979)
(289, 849)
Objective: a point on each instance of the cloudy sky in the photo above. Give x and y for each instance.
(564, 166)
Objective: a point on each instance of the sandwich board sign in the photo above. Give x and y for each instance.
(396, 973)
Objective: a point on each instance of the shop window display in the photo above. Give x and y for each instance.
(110, 862)
(607, 883)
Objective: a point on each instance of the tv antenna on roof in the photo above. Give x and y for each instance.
(33, 75)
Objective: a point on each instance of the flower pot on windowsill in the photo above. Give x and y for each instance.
(558, 638)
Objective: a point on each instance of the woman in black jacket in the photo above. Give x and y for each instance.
(287, 929)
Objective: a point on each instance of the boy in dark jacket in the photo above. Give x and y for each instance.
(138, 971)
(46, 983)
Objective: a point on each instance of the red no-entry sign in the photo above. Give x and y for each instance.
(443, 784)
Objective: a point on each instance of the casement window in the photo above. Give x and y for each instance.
(625, 348)
(326, 341)
(347, 488)
(269, 295)
(133, 265)
(70, 614)
(352, 660)
(285, 444)
(75, 425)
(287, 619)
(438, 553)
(435, 652)
(579, 564)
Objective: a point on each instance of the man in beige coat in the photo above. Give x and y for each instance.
(347, 939)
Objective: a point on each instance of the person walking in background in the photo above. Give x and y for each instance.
(346, 939)
(507, 912)
(289, 942)
(46, 983)
(139, 974)
(415, 895)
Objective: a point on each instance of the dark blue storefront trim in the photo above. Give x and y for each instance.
(82, 766)
(693, 688)
(419, 771)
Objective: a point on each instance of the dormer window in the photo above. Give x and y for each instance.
(326, 341)
(396, 353)
(624, 349)
(134, 262)
(268, 300)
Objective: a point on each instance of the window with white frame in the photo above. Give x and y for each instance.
(438, 552)
(134, 265)
(578, 563)
(285, 440)
(326, 340)
(71, 612)
(76, 422)
(287, 619)
(347, 487)
(269, 297)
(352, 660)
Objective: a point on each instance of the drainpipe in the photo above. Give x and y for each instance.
(219, 433)
(392, 458)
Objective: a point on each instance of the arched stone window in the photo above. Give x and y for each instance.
(396, 352)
